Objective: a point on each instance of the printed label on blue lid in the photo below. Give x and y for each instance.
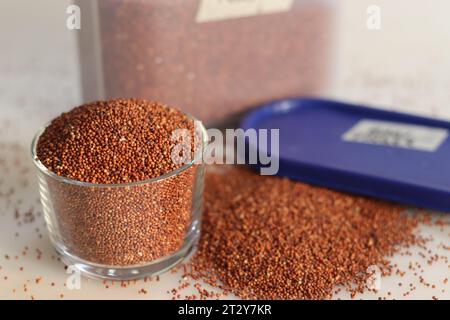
(399, 135)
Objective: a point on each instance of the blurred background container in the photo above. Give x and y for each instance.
(212, 58)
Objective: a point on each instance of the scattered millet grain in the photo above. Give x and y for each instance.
(272, 238)
(112, 142)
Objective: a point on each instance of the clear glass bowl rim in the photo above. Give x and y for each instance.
(197, 157)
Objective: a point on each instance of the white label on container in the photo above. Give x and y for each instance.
(215, 10)
(399, 135)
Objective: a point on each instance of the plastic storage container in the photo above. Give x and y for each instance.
(124, 231)
(216, 58)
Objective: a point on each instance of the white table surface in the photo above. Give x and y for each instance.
(404, 66)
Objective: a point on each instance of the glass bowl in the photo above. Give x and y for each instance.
(124, 231)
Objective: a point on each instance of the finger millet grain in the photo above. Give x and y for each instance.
(272, 238)
(117, 141)
(111, 142)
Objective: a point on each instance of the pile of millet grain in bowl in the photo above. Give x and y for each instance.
(273, 238)
(116, 142)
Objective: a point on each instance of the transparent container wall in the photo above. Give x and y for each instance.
(123, 231)
(212, 58)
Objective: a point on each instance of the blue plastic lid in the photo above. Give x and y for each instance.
(388, 155)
